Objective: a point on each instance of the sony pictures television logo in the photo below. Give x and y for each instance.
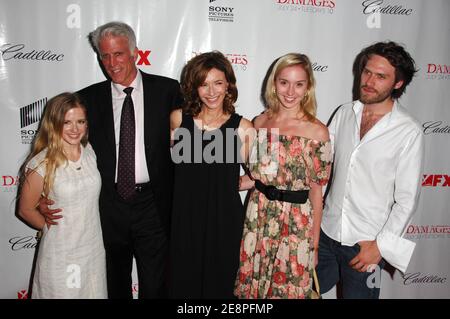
(307, 6)
(218, 12)
(30, 115)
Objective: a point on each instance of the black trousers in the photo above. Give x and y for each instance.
(137, 231)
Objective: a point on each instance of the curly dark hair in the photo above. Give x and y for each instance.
(194, 74)
(396, 55)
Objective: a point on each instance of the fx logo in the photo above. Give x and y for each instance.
(143, 57)
(436, 180)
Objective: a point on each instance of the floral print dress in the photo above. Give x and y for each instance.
(276, 254)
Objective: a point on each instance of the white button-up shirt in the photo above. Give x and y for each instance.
(118, 96)
(376, 181)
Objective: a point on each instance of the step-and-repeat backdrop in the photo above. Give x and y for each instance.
(44, 51)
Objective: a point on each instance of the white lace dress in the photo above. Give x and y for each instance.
(71, 257)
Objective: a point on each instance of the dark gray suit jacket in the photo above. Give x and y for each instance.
(161, 96)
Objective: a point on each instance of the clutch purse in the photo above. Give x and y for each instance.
(315, 292)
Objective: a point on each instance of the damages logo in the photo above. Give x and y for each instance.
(239, 61)
(307, 6)
(437, 71)
(9, 183)
(427, 232)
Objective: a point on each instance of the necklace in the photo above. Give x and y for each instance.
(207, 125)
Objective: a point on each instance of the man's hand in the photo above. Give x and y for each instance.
(49, 214)
(368, 255)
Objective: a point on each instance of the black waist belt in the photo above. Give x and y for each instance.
(273, 193)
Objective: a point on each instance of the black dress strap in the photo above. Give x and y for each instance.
(234, 120)
(187, 121)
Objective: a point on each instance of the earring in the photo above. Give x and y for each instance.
(305, 97)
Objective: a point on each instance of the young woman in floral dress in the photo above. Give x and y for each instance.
(291, 155)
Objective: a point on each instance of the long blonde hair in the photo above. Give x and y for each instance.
(50, 136)
(308, 105)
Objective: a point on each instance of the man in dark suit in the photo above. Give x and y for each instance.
(134, 223)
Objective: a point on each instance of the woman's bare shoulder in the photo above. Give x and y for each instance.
(319, 131)
(245, 124)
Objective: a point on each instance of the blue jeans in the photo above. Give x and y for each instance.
(333, 267)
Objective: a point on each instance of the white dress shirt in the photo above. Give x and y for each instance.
(118, 96)
(376, 181)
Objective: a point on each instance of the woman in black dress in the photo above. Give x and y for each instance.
(209, 142)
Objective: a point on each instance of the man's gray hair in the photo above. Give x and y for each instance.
(116, 29)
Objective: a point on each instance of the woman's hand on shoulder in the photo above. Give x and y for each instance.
(246, 131)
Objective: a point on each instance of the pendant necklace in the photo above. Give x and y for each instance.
(206, 125)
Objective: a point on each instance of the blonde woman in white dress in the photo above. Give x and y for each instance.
(62, 167)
